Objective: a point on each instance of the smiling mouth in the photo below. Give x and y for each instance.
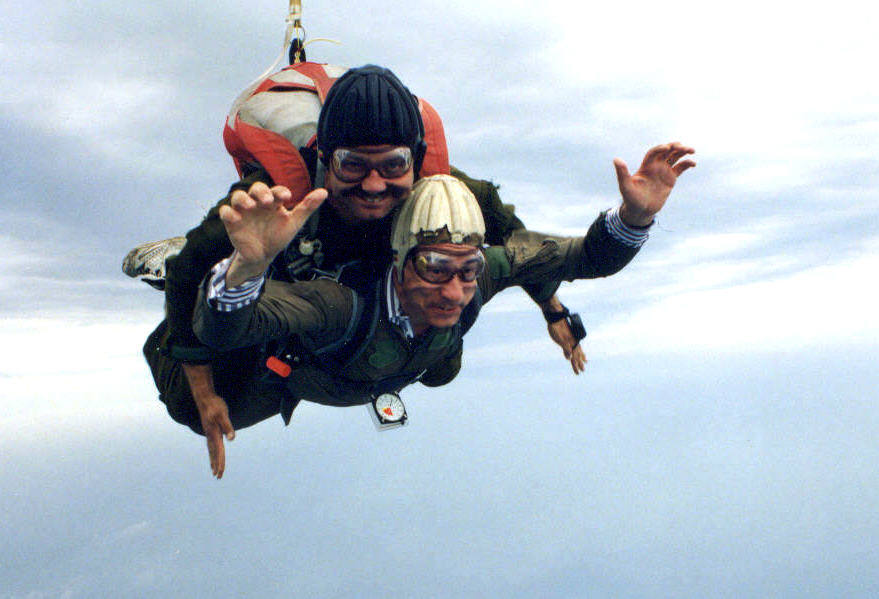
(447, 309)
(374, 199)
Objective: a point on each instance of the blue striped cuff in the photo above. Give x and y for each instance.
(630, 236)
(227, 299)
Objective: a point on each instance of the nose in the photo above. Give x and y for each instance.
(374, 182)
(453, 290)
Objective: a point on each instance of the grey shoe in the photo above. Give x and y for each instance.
(147, 261)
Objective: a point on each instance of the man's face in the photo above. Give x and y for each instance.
(437, 304)
(375, 196)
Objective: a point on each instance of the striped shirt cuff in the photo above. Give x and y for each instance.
(227, 299)
(395, 310)
(630, 236)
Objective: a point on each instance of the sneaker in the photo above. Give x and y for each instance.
(147, 261)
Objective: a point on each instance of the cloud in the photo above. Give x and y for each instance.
(758, 90)
(48, 282)
(85, 370)
(696, 300)
(813, 308)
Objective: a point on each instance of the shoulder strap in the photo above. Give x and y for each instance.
(364, 319)
(352, 330)
(363, 333)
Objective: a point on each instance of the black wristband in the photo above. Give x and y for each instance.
(552, 317)
(574, 322)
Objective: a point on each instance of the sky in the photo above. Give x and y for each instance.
(721, 442)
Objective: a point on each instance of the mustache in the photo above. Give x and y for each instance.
(395, 191)
(449, 305)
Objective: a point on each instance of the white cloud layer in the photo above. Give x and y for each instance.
(775, 84)
(715, 306)
(84, 370)
(821, 306)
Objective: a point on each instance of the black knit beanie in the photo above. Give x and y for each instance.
(369, 105)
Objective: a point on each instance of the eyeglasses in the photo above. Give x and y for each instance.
(352, 167)
(437, 268)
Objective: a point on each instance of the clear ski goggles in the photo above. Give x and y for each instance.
(353, 167)
(438, 268)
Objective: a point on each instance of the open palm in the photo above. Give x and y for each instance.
(261, 222)
(645, 192)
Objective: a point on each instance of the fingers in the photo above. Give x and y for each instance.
(216, 451)
(680, 167)
(677, 151)
(226, 427)
(623, 175)
(229, 215)
(216, 448)
(578, 360)
(282, 195)
(260, 195)
(261, 203)
(656, 154)
(239, 204)
(215, 422)
(316, 196)
(241, 200)
(295, 218)
(310, 203)
(668, 153)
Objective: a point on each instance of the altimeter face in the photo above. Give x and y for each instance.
(390, 407)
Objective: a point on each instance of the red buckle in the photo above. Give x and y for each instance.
(279, 367)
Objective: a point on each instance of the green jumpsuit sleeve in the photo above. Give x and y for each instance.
(317, 313)
(530, 258)
(500, 223)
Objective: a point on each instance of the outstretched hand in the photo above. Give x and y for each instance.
(215, 423)
(212, 411)
(260, 223)
(645, 192)
(560, 332)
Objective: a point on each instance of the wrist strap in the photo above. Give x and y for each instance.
(574, 321)
(552, 317)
